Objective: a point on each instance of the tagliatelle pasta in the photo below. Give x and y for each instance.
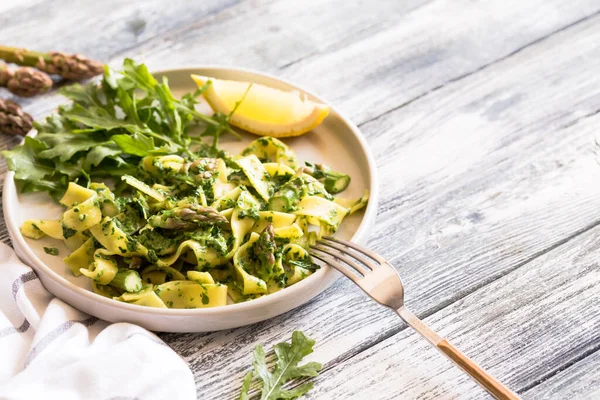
(200, 232)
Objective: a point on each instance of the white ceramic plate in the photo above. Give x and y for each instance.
(336, 142)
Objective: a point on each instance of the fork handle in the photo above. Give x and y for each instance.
(488, 382)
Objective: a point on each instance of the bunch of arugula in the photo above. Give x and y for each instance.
(286, 369)
(108, 128)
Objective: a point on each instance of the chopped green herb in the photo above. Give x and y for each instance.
(68, 232)
(53, 251)
(205, 299)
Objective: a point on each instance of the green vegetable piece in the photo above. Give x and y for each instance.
(246, 386)
(53, 251)
(334, 182)
(138, 144)
(142, 187)
(23, 160)
(68, 232)
(127, 280)
(286, 369)
(288, 196)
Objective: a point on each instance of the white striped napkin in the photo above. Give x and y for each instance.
(50, 350)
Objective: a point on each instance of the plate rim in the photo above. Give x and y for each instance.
(360, 235)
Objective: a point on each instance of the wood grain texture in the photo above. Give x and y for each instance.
(100, 29)
(481, 116)
(579, 381)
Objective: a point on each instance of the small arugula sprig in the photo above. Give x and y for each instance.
(286, 369)
(109, 126)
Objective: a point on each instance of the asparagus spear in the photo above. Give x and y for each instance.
(127, 280)
(13, 120)
(69, 66)
(24, 81)
(264, 249)
(334, 182)
(188, 216)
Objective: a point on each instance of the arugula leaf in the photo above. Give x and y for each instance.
(96, 118)
(137, 76)
(65, 145)
(138, 144)
(23, 160)
(286, 369)
(88, 95)
(246, 386)
(54, 123)
(71, 170)
(99, 153)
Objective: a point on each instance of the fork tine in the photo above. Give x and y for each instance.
(356, 247)
(332, 263)
(345, 250)
(342, 257)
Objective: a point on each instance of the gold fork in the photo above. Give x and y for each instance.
(373, 274)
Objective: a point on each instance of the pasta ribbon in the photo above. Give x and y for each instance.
(145, 297)
(81, 258)
(249, 284)
(200, 277)
(38, 228)
(290, 232)
(189, 294)
(293, 255)
(76, 194)
(317, 210)
(272, 150)
(200, 255)
(103, 269)
(228, 200)
(109, 235)
(257, 175)
(157, 275)
(275, 218)
(353, 204)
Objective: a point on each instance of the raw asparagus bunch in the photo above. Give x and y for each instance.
(69, 66)
(13, 120)
(24, 81)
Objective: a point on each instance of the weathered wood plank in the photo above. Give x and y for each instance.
(433, 45)
(529, 323)
(469, 212)
(100, 28)
(579, 381)
(279, 34)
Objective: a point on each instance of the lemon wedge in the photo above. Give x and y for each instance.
(264, 111)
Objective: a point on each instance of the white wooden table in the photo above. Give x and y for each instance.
(482, 118)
